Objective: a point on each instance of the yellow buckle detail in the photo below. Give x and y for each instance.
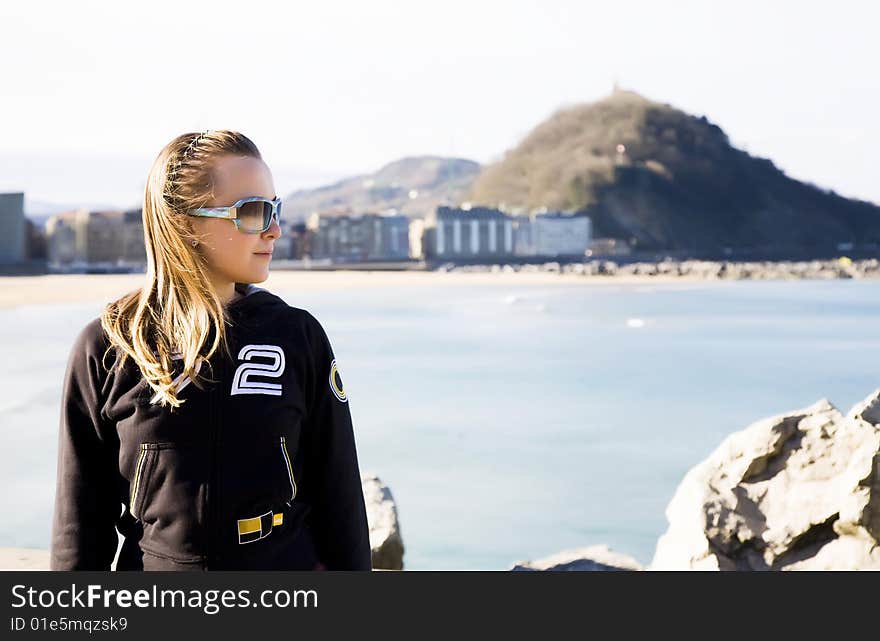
(258, 527)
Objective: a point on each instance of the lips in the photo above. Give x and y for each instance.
(266, 253)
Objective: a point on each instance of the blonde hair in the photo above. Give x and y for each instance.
(177, 310)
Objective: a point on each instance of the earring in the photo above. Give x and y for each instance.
(195, 242)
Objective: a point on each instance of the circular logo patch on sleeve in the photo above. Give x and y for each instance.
(336, 382)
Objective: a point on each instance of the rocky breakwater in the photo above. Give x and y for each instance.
(797, 491)
(841, 268)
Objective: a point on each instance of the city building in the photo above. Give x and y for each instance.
(61, 234)
(348, 237)
(80, 240)
(608, 247)
(13, 228)
(466, 233)
(134, 251)
(417, 238)
(298, 237)
(100, 237)
(394, 230)
(552, 234)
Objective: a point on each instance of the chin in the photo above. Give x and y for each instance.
(258, 277)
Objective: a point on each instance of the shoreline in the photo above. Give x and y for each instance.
(49, 289)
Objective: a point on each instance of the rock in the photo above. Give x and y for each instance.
(385, 539)
(587, 559)
(841, 268)
(798, 491)
(608, 267)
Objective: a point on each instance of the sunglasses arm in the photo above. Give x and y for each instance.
(215, 212)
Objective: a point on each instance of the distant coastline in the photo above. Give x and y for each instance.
(57, 289)
(840, 268)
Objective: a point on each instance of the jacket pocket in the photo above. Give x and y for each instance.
(140, 480)
(168, 496)
(288, 466)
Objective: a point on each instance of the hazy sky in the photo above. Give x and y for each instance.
(92, 90)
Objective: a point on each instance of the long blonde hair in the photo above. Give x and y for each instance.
(177, 311)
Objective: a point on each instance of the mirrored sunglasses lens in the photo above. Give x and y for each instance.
(267, 216)
(252, 215)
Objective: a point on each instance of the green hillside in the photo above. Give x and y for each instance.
(667, 180)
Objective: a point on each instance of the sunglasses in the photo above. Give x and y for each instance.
(251, 215)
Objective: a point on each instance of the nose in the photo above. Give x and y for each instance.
(274, 230)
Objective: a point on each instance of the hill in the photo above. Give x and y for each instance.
(413, 186)
(666, 180)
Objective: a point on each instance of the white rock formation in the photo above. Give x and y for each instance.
(798, 491)
(385, 539)
(587, 559)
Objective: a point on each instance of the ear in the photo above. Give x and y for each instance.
(193, 231)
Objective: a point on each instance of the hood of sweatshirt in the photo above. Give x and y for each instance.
(250, 295)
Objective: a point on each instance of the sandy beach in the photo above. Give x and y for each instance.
(74, 288)
(24, 559)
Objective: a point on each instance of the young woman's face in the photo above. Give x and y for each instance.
(235, 256)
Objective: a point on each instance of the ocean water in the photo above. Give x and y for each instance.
(512, 422)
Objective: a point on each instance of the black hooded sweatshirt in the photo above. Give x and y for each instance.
(258, 471)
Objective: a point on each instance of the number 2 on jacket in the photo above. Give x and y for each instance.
(241, 382)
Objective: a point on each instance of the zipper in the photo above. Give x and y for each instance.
(289, 466)
(212, 486)
(135, 485)
(215, 529)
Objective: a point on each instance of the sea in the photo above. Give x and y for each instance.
(511, 422)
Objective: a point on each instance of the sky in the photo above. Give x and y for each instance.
(91, 91)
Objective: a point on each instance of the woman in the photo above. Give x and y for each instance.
(220, 438)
